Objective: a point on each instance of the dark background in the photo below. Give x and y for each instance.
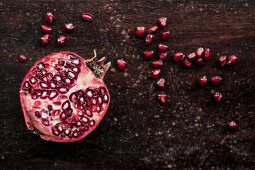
(137, 133)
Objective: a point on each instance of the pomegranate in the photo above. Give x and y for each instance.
(231, 60)
(152, 29)
(216, 80)
(161, 83)
(163, 56)
(49, 18)
(217, 96)
(223, 61)
(232, 125)
(122, 65)
(45, 39)
(46, 29)
(22, 58)
(199, 52)
(162, 48)
(63, 96)
(61, 40)
(148, 54)
(140, 32)
(165, 36)
(162, 21)
(87, 17)
(186, 64)
(157, 64)
(192, 56)
(155, 73)
(178, 57)
(69, 27)
(202, 81)
(207, 54)
(149, 39)
(162, 98)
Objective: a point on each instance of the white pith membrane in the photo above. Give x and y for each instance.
(50, 112)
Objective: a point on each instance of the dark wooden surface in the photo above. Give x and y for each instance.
(137, 133)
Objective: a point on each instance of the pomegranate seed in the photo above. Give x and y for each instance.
(200, 52)
(207, 54)
(22, 58)
(223, 61)
(178, 57)
(200, 62)
(122, 65)
(148, 54)
(157, 64)
(45, 40)
(62, 41)
(162, 98)
(46, 29)
(217, 96)
(140, 32)
(153, 29)
(162, 22)
(68, 27)
(232, 60)
(216, 80)
(192, 56)
(161, 83)
(162, 48)
(165, 36)
(155, 73)
(49, 18)
(232, 125)
(149, 39)
(187, 64)
(163, 56)
(87, 17)
(202, 81)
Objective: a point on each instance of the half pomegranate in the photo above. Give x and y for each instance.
(64, 97)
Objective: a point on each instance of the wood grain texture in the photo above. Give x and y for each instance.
(137, 133)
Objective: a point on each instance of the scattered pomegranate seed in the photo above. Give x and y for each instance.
(165, 35)
(217, 96)
(178, 57)
(202, 81)
(49, 18)
(232, 125)
(153, 29)
(45, 40)
(163, 56)
(223, 61)
(200, 62)
(157, 64)
(162, 48)
(232, 60)
(216, 80)
(162, 98)
(122, 65)
(68, 27)
(148, 54)
(161, 83)
(162, 21)
(186, 64)
(140, 32)
(207, 54)
(87, 17)
(46, 29)
(192, 56)
(155, 73)
(199, 52)
(22, 58)
(62, 41)
(149, 39)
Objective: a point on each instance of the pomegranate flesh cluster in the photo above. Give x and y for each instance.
(63, 96)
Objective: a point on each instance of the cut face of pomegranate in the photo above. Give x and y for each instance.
(63, 96)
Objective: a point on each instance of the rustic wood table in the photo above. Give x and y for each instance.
(137, 133)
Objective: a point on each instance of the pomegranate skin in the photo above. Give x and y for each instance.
(85, 81)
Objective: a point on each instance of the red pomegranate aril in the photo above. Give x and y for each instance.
(87, 17)
(45, 40)
(231, 60)
(122, 65)
(163, 56)
(207, 54)
(68, 27)
(216, 80)
(148, 54)
(162, 48)
(200, 62)
(152, 30)
(149, 39)
(22, 58)
(232, 125)
(61, 41)
(32, 80)
(161, 83)
(46, 29)
(140, 32)
(202, 81)
(155, 73)
(162, 21)
(178, 57)
(186, 64)
(199, 52)
(49, 18)
(192, 56)
(165, 36)
(157, 64)
(217, 96)
(38, 114)
(223, 61)
(162, 98)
